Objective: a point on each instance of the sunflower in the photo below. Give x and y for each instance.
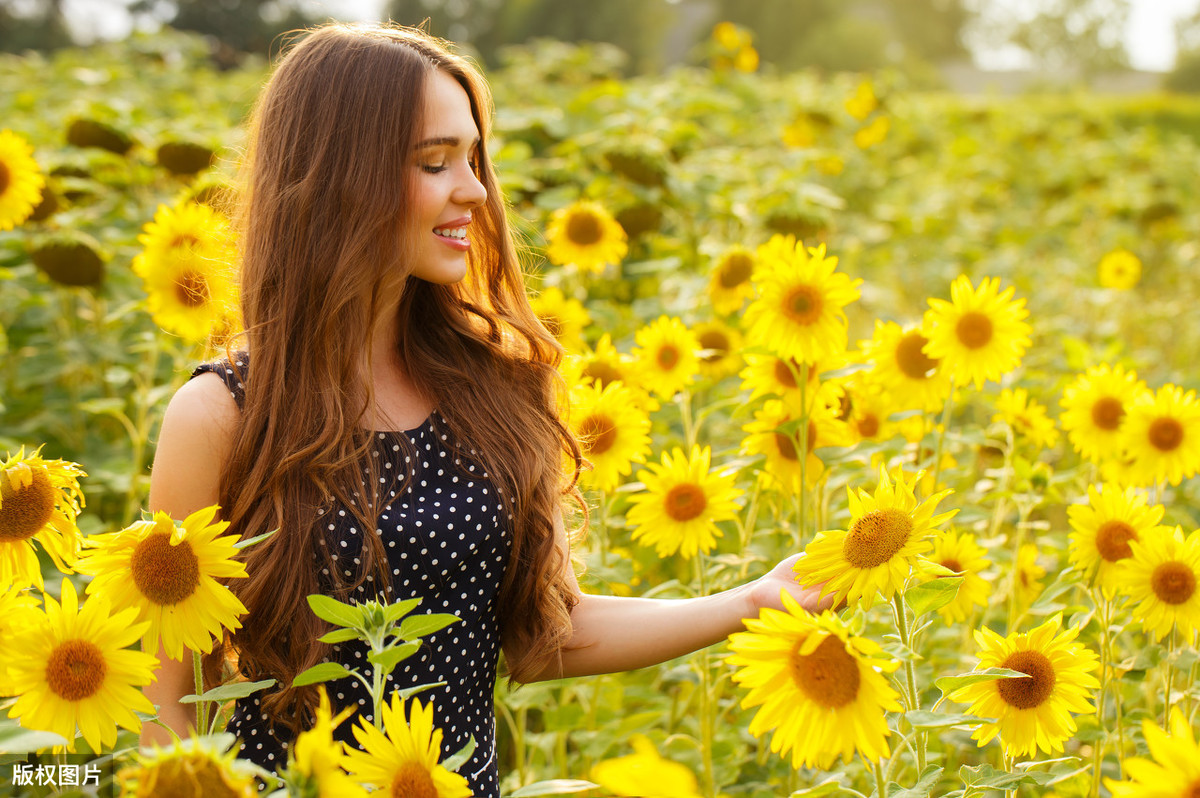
(874, 133)
(564, 317)
(21, 181)
(405, 760)
(630, 774)
(775, 433)
(822, 689)
(979, 335)
(73, 670)
(585, 233)
(729, 284)
(39, 500)
(912, 378)
(18, 609)
(665, 356)
(1160, 577)
(1161, 433)
(1094, 406)
(799, 311)
(682, 503)
(719, 349)
(863, 102)
(195, 767)
(1026, 418)
(772, 376)
(868, 407)
(613, 432)
(875, 556)
(1120, 269)
(1027, 574)
(961, 554)
(169, 573)
(317, 759)
(1175, 771)
(1033, 712)
(1103, 528)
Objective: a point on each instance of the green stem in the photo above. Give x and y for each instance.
(706, 701)
(910, 673)
(198, 677)
(1098, 758)
(690, 429)
(880, 781)
(941, 436)
(802, 455)
(1166, 721)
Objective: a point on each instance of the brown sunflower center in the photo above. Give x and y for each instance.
(601, 372)
(974, 330)
(412, 780)
(599, 433)
(1033, 689)
(829, 675)
(875, 537)
(1193, 790)
(551, 323)
(951, 564)
(1165, 434)
(191, 289)
(25, 510)
(685, 502)
(735, 270)
(4, 178)
(185, 240)
(784, 374)
(803, 304)
(1107, 412)
(868, 425)
(667, 357)
(192, 774)
(75, 670)
(584, 228)
(716, 342)
(911, 357)
(1112, 540)
(1173, 582)
(163, 573)
(787, 443)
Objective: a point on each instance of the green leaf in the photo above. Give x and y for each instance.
(248, 542)
(924, 786)
(456, 760)
(948, 684)
(987, 777)
(932, 595)
(16, 739)
(418, 626)
(334, 611)
(553, 787)
(394, 612)
(339, 636)
(830, 786)
(409, 692)
(229, 692)
(325, 672)
(922, 719)
(389, 658)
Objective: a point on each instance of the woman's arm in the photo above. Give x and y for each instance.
(193, 445)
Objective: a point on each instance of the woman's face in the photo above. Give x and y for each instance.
(445, 187)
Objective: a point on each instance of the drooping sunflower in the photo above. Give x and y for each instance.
(914, 380)
(586, 234)
(71, 669)
(405, 760)
(775, 433)
(18, 609)
(565, 317)
(1120, 269)
(613, 432)
(21, 181)
(799, 312)
(1094, 406)
(1175, 769)
(630, 774)
(1033, 712)
(822, 689)
(39, 500)
(719, 349)
(1026, 418)
(317, 759)
(1103, 528)
(195, 767)
(665, 356)
(961, 554)
(888, 532)
(980, 334)
(682, 503)
(1160, 580)
(169, 574)
(1161, 434)
(729, 284)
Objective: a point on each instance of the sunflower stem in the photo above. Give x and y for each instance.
(910, 673)
(941, 436)
(690, 428)
(802, 456)
(1104, 608)
(201, 706)
(880, 780)
(1169, 674)
(706, 699)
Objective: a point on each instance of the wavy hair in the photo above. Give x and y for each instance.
(326, 179)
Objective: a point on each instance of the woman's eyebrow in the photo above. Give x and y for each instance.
(444, 141)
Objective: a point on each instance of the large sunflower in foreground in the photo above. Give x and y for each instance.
(586, 234)
(317, 759)
(1094, 406)
(39, 500)
(1161, 434)
(980, 334)
(1026, 418)
(1033, 712)
(682, 503)
(775, 434)
(729, 284)
(1160, 580)
(72, 669)
(404, 762)
(888, 532)
(195, 767)
(799, 312)
(21, 181)
(613, 432)
(169, 574)
(961, 554)
(821, 689)
(912, 378)
(1103, 528)
(665, 356)
(1174, 771)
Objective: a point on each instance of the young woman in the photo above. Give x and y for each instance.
(394, 412)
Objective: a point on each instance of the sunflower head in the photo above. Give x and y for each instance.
(666, 356)
(1094, 405)
(629, 774)
(1161, 435)
(980, 334)
(612, 429)
(317, 759)
(195, 767)
(39, 500)
(183, 157)
(70, 258)
(682, 503)
(1120, 269)
(585, 234)
(1161, 579)
(21, 181)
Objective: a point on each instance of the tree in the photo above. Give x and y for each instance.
(1079, 38)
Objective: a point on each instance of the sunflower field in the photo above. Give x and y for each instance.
(944, 347)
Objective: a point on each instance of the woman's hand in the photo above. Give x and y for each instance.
(765, 591)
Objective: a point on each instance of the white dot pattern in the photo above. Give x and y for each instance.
(447, 541)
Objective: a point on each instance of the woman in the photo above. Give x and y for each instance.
(390, 344)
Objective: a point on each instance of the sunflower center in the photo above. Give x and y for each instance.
(1033, 689)
(1165, 434)
(1193, 790)
(1173, 582)
(412, 780)
(75, 670)
(717, 342)
(185, 240)
(787, 443)
(803, 304)
(165, 574)
(192, 775)
(25, 510)
(602, 373)
(868, 425)
(974, 330)
(551, 323)
(685, 502)
(599, 433)
(875, 537)
(784, 374)
(911, 357)
(829, 676)
(667, 357)
(952, 564)
(584, 229)
(1107, 412)
(3, 177)
(191, 289)
(1112, 540)
(735, 270)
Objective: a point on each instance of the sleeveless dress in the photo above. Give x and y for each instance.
(447, 540)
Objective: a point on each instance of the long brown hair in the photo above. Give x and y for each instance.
(326, 190)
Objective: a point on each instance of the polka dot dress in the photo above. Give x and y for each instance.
(447, 541)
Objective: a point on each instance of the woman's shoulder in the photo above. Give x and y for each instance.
(232, 371)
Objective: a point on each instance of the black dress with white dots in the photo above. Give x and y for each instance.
(447, 539)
